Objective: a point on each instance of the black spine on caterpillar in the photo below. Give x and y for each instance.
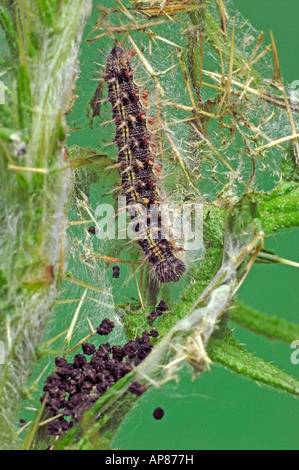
(136, 162)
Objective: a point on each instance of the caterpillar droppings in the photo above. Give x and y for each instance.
(136, 162)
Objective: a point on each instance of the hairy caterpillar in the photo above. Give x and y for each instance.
(136, 162)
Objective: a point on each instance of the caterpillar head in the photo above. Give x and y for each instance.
(170, 270)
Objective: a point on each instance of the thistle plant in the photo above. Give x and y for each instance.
(225, 131)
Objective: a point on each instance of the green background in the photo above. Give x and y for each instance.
(221, 410)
